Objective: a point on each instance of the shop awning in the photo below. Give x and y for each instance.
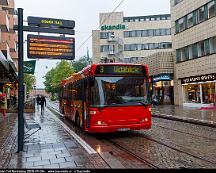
(7, 70)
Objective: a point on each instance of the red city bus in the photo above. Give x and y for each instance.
(108, 98)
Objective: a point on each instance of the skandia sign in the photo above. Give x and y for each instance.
(113, 27)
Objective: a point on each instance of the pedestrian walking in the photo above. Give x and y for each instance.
(3, 104)
(38, 99)
(42, 103)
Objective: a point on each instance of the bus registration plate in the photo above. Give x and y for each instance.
(123, 129)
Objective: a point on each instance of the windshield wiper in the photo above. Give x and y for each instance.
(144, 103)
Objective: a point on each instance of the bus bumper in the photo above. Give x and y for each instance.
(118, 128)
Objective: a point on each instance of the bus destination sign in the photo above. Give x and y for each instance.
(49, 22)
(50, 47)
(121, 69)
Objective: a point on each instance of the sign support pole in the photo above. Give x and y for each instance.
(20, 83)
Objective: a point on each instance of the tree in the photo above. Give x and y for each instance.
(53, 77)
(81, 63)
(30, 81)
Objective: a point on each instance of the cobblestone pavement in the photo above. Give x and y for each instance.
(171, 144)
(8, 127)
(53, 147)
(186, 112)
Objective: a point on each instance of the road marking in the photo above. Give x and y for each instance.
(86, 146)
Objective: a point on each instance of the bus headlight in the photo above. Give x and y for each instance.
(150, 109)
(101, 123)
(92, 112)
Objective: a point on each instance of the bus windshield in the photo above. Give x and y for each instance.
(119, 91)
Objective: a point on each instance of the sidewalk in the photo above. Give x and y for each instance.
(186, 114)
(53, 147)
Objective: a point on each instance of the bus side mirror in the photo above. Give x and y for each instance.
(91, 80)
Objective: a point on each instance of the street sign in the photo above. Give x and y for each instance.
(50, 23)
(29, 67)
(50, 47)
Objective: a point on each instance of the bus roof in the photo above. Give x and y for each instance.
(90, 70)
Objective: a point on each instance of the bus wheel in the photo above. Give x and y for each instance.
(77, 120)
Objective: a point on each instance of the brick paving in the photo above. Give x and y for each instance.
(53, 147)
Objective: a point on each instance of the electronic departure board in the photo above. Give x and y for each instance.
(49, 47)
(121, 69)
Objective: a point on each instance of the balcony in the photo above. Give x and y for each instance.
(4, 2)
(4, 24)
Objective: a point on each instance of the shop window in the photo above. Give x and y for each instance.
(192, 94)
(211, 9)
(208, 93)
(190, 20)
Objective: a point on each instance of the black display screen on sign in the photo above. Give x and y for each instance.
(49, 22)
(120, 69)
(49, 47)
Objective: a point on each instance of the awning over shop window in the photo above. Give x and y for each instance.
(7, 70)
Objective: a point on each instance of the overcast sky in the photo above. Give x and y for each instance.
(86, 15)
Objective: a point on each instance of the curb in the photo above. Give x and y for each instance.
(186, 120)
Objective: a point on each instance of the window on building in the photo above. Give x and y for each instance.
(189, 20)
(181, 23)
(212, 45)
(133, 33)
(185, 54)
(151, 46)
(139, 33)
(163, 32)
(139, 46)
(206, 47)
(157, 46)
(145, 47)
(126, 34)
(150, 32)
(201, 49)
(195, 50)
(211, 9)
(192, 94)
(190, 50)
(165, 45)
(178, 55)
(168, 31)
(144, 33)
(152, 19)
(107, 48)
(201, 14)
(157, 32)
(106, 35)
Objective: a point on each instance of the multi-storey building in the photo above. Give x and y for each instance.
(8, 43)
(139, 39)
(128, 39)
(194, 42)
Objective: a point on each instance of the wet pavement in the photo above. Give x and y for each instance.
(8, 127)
(186, 114)
(53, 147)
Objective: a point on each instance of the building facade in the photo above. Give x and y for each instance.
(161, 70)
(129, 39)
(194, 42)
(8, 49)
